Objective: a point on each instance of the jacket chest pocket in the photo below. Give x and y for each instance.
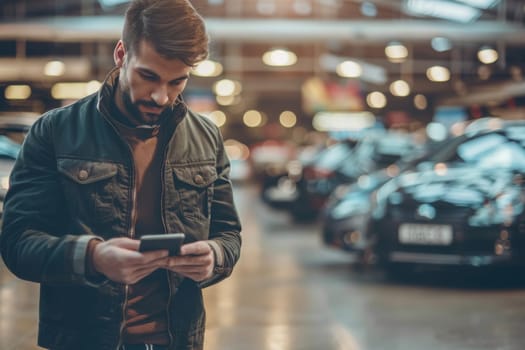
(90, 188)
(195, 187)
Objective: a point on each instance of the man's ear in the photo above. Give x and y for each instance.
(119, 54)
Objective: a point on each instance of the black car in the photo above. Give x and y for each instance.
(278, 188)
(468, 211)
(344, 167)
(346, 219)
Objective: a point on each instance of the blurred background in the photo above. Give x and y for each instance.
(294, 72)
(280, 69)
(377, 150)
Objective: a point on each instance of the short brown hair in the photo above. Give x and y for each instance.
(172, 27)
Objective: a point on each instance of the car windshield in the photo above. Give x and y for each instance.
(333, 156)
(493, 150)
(377, 153)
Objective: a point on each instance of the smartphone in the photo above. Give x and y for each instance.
(169, 241)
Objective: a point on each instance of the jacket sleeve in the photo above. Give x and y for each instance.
(33, 241)
(225, 228)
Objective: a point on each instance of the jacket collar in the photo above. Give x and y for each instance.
(106, 102)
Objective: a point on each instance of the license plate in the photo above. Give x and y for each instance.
(425, 234)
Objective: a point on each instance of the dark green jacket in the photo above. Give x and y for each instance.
(74, 179)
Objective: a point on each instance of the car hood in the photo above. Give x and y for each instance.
(465, 186)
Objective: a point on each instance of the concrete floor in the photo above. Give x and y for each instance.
(289, 292)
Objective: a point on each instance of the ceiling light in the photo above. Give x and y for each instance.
(349, 69)
(227, 87)
(368, 9)
(279, 58)
(487, 55)
(236, 150)
(420, 102)
(17, 92)
(343, 121)
(252, 118)
(370, 72)
(396, 52)
(442, 9)
(376, 99)
(288, 119)
(482, 4)
(54, 68)
(400, 88)
(302, 7)
(218, 117)
(74, 91)
(232, 149)
(208, 68)
(228, 100)
(438, 74)
(266, 7)
(440, 44)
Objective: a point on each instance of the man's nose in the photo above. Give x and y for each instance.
(160, 95)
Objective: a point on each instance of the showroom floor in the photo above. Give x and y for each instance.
(289, 292)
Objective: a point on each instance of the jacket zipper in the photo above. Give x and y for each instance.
(131, 234)
(168, 275)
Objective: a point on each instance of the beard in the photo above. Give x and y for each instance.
(132, 110)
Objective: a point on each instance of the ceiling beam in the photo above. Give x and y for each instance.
(481, 95)
(32, 69)
(108, 28)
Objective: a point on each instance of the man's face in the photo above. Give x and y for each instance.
(148, 82)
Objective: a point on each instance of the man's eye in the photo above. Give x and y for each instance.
(147, 77)
(176, 82)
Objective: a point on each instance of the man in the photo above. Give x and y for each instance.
(95, 176)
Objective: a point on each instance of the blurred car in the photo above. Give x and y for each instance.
(346, 220)
(269, 158)
(13, 128)
(346, 217)
(336, 167)
(240, 170)
(468, 211)
(280, 190)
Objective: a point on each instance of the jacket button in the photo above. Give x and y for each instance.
(83, 174)
(199, 180)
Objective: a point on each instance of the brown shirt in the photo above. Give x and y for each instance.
(146, 312)
(146, 309)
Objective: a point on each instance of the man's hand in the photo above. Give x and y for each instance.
(196, 261)
(120, 261)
